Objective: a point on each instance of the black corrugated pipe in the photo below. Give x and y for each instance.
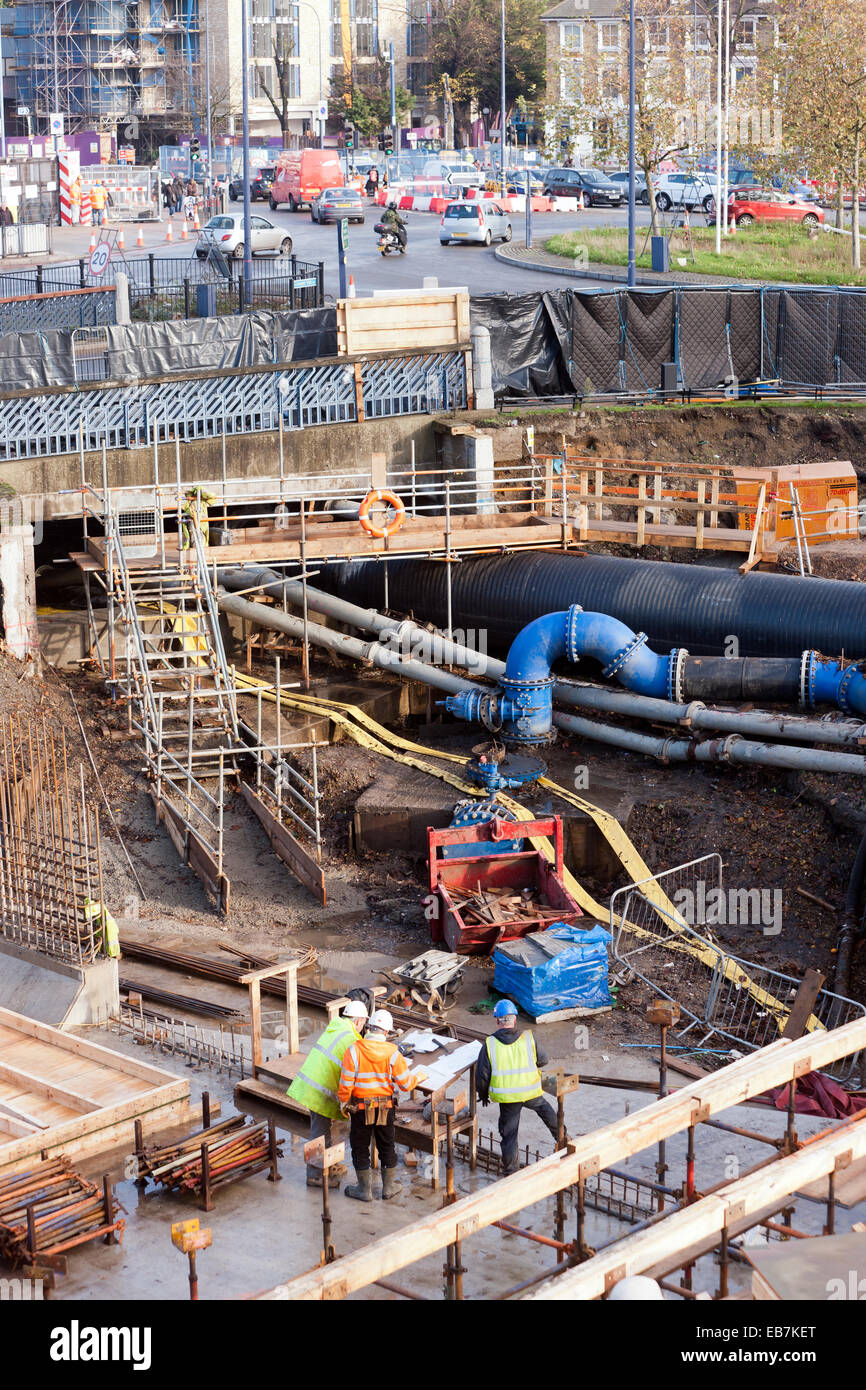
(674, 604)
(750, 678)
(850, 929)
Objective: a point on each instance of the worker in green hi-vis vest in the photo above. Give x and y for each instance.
(507, 1073)
(315, 1085)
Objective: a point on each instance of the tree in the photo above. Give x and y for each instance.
(820, 72)
(366, 100)
(465, 45)
(279, 97)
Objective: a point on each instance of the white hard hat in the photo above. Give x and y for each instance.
(382, 1019)
(634, 1288)
(354, 1009)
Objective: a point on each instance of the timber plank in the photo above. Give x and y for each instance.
(743, 1079)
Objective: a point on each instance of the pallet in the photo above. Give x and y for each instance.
(402, 323)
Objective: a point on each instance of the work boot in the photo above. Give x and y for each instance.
(362, 1190)
(390, 1186)
(314, 1176)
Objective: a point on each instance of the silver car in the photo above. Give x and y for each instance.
(227, 233)
(332, 204)
(479, 219)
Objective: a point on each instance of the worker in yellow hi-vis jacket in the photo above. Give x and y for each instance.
(194, 512)
(110, 935)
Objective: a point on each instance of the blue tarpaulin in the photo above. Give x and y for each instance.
(564, 967)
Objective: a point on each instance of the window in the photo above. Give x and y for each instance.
(610, 83)
(417, 78)
(569, 82)
(746, 34)
(608, 36)
(571, 37)
(658, 35)
(701, 34)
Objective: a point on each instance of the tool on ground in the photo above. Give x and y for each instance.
(189, 1237)
(431, 979)
(318, 1154)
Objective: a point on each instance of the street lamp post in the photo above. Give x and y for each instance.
(208, 112)
(245, 99)
(632, 211)
(502, 103)
(394, 144)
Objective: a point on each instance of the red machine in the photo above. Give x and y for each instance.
(484, 899)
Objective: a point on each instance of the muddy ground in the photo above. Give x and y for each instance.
(773, 831)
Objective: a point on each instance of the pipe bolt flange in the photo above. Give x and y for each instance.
(848, 676)
(808, 676)
(676, 673)
(726, 746)
(574, 653)
(622, 657)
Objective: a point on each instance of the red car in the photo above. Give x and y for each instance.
(746, 206)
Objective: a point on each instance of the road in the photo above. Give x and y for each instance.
(474, 266)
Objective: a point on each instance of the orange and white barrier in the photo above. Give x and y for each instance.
(139, 240)
(169, 234)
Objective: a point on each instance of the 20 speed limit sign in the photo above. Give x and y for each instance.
(99, 257)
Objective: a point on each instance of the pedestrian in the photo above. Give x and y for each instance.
(315, 1085)
(6, 218)
(373, 1070)
(507, 1074)
(372, 185)
(177, 193)
(167, 196)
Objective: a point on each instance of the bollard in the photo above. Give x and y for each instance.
(482, 370)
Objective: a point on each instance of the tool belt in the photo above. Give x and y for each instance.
(376, 1112)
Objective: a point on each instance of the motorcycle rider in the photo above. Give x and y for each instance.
(394, 222)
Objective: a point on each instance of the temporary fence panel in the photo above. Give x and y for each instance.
(26, 239)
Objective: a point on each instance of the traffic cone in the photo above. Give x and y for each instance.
(351, 287)
(169, 234)
(92, 240)
(139, 240)
(580, 203)
(196, 225)
(184, 234)
(121, 241)
(733, 227)
(103, 221)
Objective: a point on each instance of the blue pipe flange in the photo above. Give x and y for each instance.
(526, 708)
(851, 674)
(808, 671)
(622, 656)
(676, 669)
(572, 649)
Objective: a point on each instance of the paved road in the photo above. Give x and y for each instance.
(473, 266)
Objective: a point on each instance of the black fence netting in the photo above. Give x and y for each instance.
(529, 335)
(810, 337)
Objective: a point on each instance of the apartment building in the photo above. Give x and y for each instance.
(587, 51)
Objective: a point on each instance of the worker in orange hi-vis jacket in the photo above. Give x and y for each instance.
(373, 1070)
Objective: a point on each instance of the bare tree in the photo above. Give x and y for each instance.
(283, 53)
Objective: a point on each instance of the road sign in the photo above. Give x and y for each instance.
(23, 111)
(99, 257)
(55, 123)
(323, 111)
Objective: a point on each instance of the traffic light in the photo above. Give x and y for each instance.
(383, 142)
(350, 140)
(195, 147)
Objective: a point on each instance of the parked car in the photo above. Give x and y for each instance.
(597, 189)
(301, 175)
(260, 185)
(695, 190)
(640, 193)
(334, 203)
(227, 233)
(474, 221)
(746, 206)
(515, 183)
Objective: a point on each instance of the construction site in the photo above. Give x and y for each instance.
(454, 675)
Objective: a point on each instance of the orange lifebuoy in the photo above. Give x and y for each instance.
(392, 500)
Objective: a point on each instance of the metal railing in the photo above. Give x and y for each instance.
(243, 402)
(720, 994)
(25, 239)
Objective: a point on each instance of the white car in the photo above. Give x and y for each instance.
(227, 232)
(696, 190)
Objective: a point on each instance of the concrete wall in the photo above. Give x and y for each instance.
(53, 992)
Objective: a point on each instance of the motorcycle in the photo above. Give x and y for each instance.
(388, 239)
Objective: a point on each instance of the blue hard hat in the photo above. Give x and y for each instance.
(505, 1009)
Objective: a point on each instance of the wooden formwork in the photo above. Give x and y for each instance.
(63, 1094)
(402, 323)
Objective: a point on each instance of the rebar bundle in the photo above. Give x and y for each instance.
(49, 1209)
(50, 855)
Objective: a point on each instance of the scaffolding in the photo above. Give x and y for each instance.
(103, 61)
(170, 673)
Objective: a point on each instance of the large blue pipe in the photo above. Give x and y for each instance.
(522, 709)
